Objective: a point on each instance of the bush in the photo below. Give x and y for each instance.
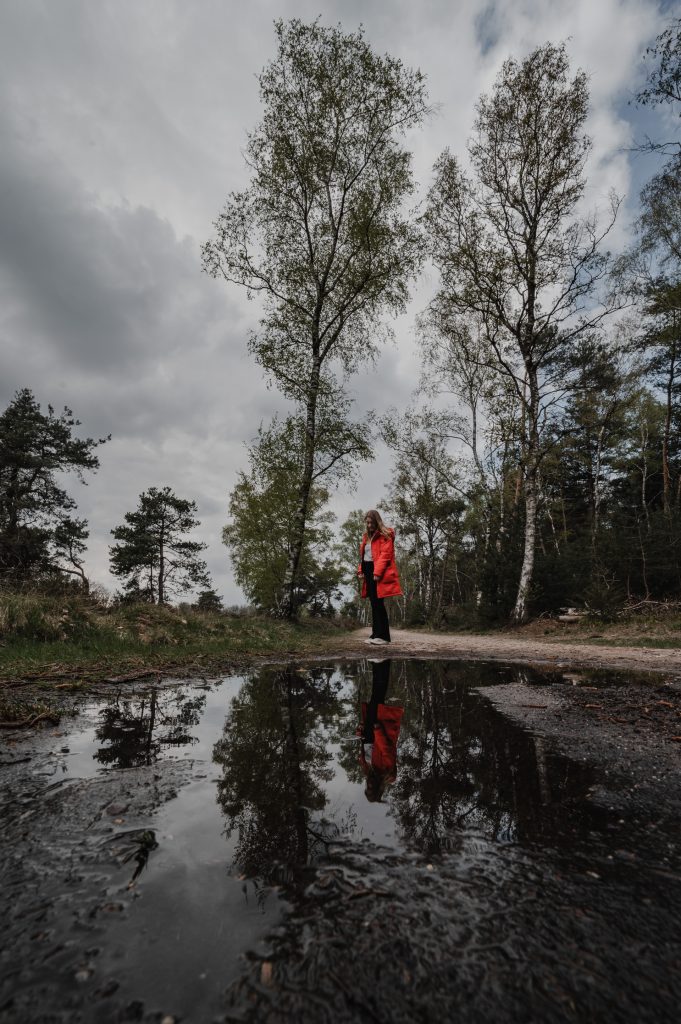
(603, 598)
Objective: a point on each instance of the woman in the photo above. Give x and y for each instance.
(377, 566)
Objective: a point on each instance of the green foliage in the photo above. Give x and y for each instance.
(263, 507)
(153, 555)
(663, 84)
(603, 597)
(209, 601)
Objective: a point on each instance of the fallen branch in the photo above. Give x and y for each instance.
(132, 676)
(27, 722)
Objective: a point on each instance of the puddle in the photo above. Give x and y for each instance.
(276, 772)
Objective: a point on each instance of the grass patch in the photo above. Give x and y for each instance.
(53, 638)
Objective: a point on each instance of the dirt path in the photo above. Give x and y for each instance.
(527, 650)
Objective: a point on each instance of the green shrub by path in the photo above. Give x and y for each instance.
(67, 635)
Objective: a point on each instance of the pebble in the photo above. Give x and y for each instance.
(115, 809)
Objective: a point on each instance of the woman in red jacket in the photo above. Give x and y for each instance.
(377, 566)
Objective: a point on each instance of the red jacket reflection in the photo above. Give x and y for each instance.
(384, 749)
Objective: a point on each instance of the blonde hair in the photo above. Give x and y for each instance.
(380, 525)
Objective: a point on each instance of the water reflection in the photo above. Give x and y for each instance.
(379, 734)
(134, 731)
(464, 766)
(275, 761)
(287, 752)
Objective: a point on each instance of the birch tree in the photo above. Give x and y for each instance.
(512, 250)
(321, 232)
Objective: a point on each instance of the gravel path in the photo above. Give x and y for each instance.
(501, 647)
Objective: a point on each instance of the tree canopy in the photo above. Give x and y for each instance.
(36, 448)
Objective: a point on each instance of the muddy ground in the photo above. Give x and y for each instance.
(482, 931)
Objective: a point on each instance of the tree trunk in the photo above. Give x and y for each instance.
(531, 485)
(596, 509)
(521, 601)
(161, 570)
(294, 775)
(644, 475)
(289, 608)
(666, 475)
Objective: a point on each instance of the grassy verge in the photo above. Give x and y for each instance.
(71, 640)
(652, 629)
(662, 629)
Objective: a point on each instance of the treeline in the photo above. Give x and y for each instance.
(540, 464)
(42, 542)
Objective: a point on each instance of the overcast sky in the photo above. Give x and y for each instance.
(122, 126)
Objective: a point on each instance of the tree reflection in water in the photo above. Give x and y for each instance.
(274, 760)
(136, 729)
(463, 766)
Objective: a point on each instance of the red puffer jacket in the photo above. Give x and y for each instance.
(383, 551)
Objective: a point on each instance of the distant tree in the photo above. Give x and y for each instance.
(68, 545)
(152, 553)
(649, 273)
(134, 732)
(209, 601)
(511, 250)
(346, 552)
(34, 449)
(426, 499)
(661, 341)
(321, 231)
(263, 510)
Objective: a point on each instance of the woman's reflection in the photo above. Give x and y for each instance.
(378, 733)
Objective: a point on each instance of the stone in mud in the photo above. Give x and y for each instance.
(115, 809)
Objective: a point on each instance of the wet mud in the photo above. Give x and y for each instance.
(367, 841)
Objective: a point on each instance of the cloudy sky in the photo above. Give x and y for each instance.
(123, 124)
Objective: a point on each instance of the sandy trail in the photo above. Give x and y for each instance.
(501, 647)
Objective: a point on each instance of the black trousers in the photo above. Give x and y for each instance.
(380, 626)
(380, 677)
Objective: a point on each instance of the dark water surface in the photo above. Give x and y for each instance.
(116, 908)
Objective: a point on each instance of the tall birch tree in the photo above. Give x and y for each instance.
(321, 231)
(511, 249)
